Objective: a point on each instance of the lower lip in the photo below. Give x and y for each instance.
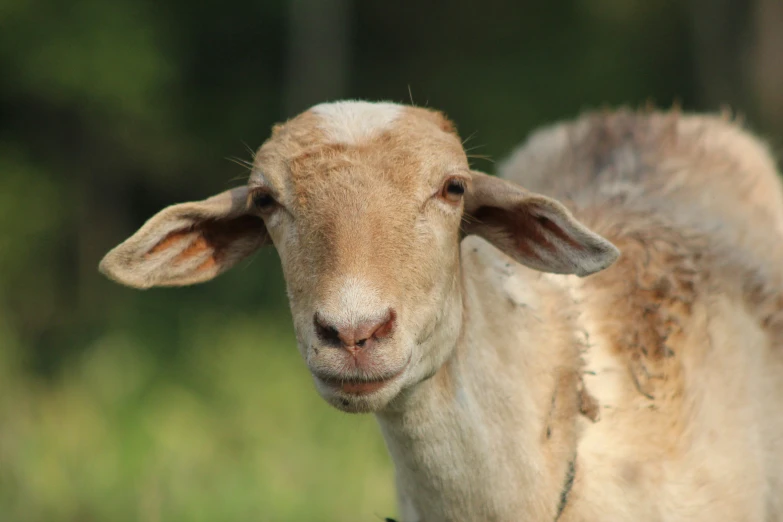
(362, 388)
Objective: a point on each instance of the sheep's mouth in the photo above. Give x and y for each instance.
(354, 386)
(359, 387)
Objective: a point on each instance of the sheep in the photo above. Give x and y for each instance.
(608, 347)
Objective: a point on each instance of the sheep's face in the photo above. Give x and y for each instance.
(365, 205)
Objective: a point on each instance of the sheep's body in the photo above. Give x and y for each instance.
(682, 342)
(647, 392)
(697, 171)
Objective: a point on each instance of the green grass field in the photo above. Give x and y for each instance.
(233, 431)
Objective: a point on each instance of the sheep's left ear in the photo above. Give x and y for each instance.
(537, 231)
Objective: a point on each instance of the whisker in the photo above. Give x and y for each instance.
(478, 146)
(468, 219)
(249, 261)
(481, 157)
(472, 135)
(240, 177)
(240, 162)
(250, 150)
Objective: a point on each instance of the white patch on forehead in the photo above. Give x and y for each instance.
(350, 122)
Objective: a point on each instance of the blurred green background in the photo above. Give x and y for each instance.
(192, 404)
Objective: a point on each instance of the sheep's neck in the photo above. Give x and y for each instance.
(493, 434)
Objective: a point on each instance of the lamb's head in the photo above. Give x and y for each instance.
(366, 205)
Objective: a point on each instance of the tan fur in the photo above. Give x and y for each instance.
(657, 380)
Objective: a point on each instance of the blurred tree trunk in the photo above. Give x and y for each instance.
(319, 52)
(721, 29)
(738, 48)
(767, 78)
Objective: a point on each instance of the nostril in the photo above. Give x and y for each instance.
(385, 327)
(355, 336)
(326, 332)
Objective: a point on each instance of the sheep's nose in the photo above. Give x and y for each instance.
(358, 336)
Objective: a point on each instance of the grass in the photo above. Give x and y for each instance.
(232, 430)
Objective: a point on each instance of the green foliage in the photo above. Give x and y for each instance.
(234, 432)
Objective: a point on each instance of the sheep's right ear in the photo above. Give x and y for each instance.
(535, 230)
(188, 243)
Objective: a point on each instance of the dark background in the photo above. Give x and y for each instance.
(191, 404)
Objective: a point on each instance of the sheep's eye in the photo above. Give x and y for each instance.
(453, 190)
(263, 201)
